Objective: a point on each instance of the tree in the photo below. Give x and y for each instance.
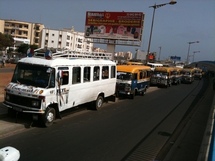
(23, 48)
(6, 41)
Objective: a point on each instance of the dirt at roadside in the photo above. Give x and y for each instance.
(5, 78)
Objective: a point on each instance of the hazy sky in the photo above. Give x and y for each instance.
(174, 25)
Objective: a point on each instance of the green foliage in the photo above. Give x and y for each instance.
(5, 41)
(24, 47)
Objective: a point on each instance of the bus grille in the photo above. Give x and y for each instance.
(23, 101)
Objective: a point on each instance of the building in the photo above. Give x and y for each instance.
(65, 39)
(22, 32)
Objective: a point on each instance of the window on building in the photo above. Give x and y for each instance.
(79, 46)
(52, 34)
(37, 27)
(76, 75)
(80, 40)
(68, 37)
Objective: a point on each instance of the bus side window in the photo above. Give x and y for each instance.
(134, 76)
(141, 75)
(87, 74)
(76, 75)
(96, 72)
(148, 74)
(105, 72)
(113, 71)
(65, 77)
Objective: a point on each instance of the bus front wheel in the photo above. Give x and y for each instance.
(49, 117)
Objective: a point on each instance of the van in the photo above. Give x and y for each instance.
(132, 80)
(45, 87)
(197, 73)
(177, 76)
(162, 76)
(187, 75)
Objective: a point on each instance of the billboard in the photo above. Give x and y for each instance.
(114, 25)
(175, 58)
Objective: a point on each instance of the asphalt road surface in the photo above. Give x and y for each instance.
(117, 132)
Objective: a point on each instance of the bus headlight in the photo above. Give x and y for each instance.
(127, 87)
(35, 103)
(7, 97)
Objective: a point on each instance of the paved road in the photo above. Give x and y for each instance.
(108, 134)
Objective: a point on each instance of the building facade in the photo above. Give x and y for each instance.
(65, 39)
(22, 32)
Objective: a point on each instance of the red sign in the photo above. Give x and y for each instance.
(151, 57)
(114, 25)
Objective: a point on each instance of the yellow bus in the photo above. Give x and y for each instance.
(132, 79)
(177, 76)
(134, 63)
(198, 73)
(188, 75)
(162, 76)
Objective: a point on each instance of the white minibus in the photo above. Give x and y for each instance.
(45, 87)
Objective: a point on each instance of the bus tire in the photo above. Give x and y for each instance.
(133, 94)
(49, 117)
(99, 102)
(143, 92)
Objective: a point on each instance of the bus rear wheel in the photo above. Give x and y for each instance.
(99, 102)
(49, 117)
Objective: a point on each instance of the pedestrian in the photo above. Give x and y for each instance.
(3, 61)
(30, 52)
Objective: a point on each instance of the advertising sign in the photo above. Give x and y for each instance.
(151, 57)
(114, 25)
(175, 58)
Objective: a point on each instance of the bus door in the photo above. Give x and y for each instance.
(62, 87)
(143, 80)
(134, 81)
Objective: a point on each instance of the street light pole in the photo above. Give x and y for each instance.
(188, 53)
(194, 54)
(152, 24)
(159, 53)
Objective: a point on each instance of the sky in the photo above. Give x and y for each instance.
(174, 25)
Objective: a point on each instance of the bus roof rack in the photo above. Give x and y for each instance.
(56, 53)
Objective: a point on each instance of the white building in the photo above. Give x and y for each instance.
(65, 39)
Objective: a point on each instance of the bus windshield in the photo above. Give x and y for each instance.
(124, 76)
(159, 73)
(34, 75)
